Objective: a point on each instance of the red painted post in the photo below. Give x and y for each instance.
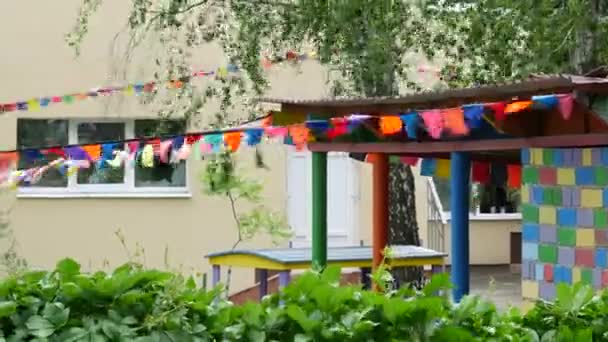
(380, 207)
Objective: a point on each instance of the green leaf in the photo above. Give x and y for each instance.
(7, 308)
(56, 313)
(40, 327)
(68, 268)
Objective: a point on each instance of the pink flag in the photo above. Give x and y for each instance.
(164, 151)
(411, 161)
(184, 152)
(566, 104)
(434, 122)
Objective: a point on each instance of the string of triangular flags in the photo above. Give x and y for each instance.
(482, 172)
(458, 121)
(138, 88)
(146, 152)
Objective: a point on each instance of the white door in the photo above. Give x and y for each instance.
(342, 198)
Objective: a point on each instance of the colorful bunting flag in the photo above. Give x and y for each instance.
(428, 167)
(412, 122)
(514, 176)
(442, 168)
(454, 121)
(390, 125)
(434, 122)
(480, 172)
(566, 104)
(517, 106)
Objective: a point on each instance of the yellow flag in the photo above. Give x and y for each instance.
(33, 105)
(443, 168)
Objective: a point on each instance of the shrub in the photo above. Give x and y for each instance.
(136, 304)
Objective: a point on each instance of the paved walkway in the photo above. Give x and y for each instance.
(498, 284)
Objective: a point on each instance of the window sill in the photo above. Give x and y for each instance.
(102, 195)
(489, 217)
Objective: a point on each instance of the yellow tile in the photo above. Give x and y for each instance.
(547, 215)
(585, 237)
(587, 161)
(591, 198)
(576, 275)
(536, 155)
(525, 194)
(565, 176)
(529, 289)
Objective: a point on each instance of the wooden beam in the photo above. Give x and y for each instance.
(571, 140)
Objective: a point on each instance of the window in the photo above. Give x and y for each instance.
(100, 178)
(489, 199)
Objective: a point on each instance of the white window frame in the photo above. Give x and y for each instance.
(475, 216)
(127, 189)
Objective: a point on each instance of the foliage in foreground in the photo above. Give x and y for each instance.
(135, 304)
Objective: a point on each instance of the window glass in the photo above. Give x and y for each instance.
(490, 198)
(34, 133)
(161, 175)
(94, 132)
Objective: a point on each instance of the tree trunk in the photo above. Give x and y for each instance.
(583, 57)
(403, 226)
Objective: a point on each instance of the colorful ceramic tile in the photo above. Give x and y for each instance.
(548, 157)
(576, 197)
(587, 157)
(537, 156)
(547, 290)
(529, 213)
(584, 217)
(548, 273)
(577, 157)
(601, 176)
(565, 176)
(566, 236)
(530, 175)
(529, 289)
(605, 278)
(556, 196)
(597, 278)
(537, 194)
(567, 155)
(587, 276)
(528, 269)
(604, 151)
(576, 275)
(548, 233)
(596, 156)
(566, 217)
(525, 193)
(585, 175)
(548, 196)
(547, 253)
(591, 198)
(525, 156)
(547, 175)
(585, 237)
(530, 232)
(601, 257)
(547, 215)
(566, 196)
(601, 237)
(562, 274)
(600, 218)
(584, 257)
(539, 272)
(529, 251)
(605, 197)
(566, 256)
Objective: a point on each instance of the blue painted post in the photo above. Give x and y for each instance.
(459, 206)
(284, 278)
(263, 283)
(215, 277)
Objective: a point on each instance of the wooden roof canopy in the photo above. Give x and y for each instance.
(530, 128)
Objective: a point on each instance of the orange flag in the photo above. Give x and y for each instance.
(390, 125)
(232, 140)
(453, 121)
(93, 151)
(517, 106)
(299, 136)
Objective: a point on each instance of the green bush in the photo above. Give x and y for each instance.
(135, 304)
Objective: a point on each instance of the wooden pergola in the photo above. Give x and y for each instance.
(500, 140)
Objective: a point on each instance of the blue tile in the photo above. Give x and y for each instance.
(558, 273)
(540, 271)
(585, 176)
(605, 197)
(530, 232)
(566, 217)
(529, 251)
(525, 156)
(605, 156)
(537, 194)
(600, 257)
(558, 157)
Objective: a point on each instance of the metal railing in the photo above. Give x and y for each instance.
(436, 219)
